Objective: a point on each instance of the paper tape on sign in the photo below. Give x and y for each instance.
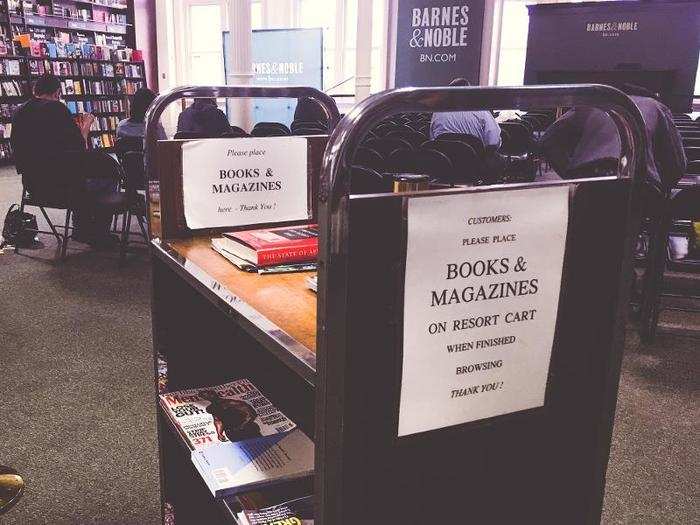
(480, 306)
(243, 181)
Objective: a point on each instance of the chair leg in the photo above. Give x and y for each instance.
(64, 246)
(21, 210)
(142, 225)
(126, 225)
(53, 228)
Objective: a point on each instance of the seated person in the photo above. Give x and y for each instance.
(478, 123)
(585, 142)
(203, 118)
(134, 127)
(42, 130)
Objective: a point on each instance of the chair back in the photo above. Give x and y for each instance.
(134, 172)
(235, 132)
(310, 131)
(385, 145)
(269, 131)
(369, 158)
(308, 124)
(475, 142)
(366, 180)
(424, 162)
(189, 135)
(518, 140)
(124, 144)
(268, 125)
(468, 165)
(414, 138)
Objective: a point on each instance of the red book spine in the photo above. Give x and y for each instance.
(288, 254)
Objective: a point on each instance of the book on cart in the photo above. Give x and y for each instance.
(219, 244)
(299, 511)
(274, 246)
(239, 440)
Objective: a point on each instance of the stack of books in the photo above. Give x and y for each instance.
(271, 250)
(239, 441)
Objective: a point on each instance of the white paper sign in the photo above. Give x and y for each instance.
(483, 273)
(244, 181)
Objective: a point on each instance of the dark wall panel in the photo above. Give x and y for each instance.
(648, 43)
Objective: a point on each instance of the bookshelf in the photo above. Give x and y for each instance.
(86, 44)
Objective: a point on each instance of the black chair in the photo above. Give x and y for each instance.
(74, 168)
(134, 183)
(309, 131)
(468, 166)
(366, 180)
(412, 137)
(692, 154)
(235, 132)
(385, 145)
(309, 124)
(424, 162)
(188, 135)
(124, 144)
(272, 131)
(369, 158)
(383, 129)
(518, 141)
(277, 125)
(475, 142)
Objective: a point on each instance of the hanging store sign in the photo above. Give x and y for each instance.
(480, 307)
(437, 41)
(243, 181)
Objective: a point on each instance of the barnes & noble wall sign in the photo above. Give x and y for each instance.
(480, 305)
(437, 41)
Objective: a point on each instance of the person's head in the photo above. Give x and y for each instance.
(460, 82)
(48, 87)
(141, 102)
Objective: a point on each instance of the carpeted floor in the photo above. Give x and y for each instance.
(77, 415)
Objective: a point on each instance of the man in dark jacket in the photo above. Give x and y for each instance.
(42, 131)
(203, 118)
(585, 142)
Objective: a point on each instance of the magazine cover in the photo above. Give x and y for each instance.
(220, 414)
(234, 467)
(296, 512)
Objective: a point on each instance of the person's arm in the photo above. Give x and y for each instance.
(668, 149)
(492, 133)
(69, 137)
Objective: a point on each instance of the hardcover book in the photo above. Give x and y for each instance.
(272, 246)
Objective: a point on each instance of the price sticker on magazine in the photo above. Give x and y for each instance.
(241, 181)
(480, 306)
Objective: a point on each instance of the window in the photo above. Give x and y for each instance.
(321, 13)
(204, 60)
(511, 58)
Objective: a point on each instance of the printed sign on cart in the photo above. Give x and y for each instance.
(240, 182)
(480, 307)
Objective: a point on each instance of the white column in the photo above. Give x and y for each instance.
(363, 48)
(491, 31)
(239, 25)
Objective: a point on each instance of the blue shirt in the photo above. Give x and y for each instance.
(478, 123)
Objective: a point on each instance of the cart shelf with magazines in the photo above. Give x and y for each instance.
(461, 358)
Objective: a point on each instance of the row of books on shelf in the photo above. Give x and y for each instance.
(62, 49)
(105, 123)
(14, 88)
(10, 67)
(271, 250)
(246, 450)
(68, 67)
(8, 110)
(102, 140)
(96, 106)
(5, 150)
(74, 86)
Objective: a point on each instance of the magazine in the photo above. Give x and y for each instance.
(234, 467)
(295, 512)
(241, 411)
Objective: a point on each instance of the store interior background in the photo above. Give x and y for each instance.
(83, 403)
